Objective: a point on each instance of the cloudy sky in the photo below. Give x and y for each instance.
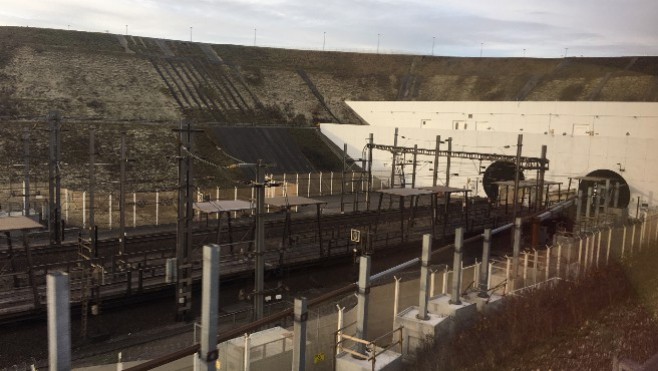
(544, 28)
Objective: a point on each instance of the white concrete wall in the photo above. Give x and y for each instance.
(570, 155)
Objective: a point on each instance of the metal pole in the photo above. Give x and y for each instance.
(92, 190)
(588, 204)
(395, 145)
(247, 352)
(457, 267)
(122, 195)
(435, 172)
(26, 171)
(616, 199)
(260, 240)
(448, 162)
(484, 266)
(342, 181)
(371, 140)
(414, 167)
(542, 171)
(362, 302)
(396, 298)
(607, 197)
(424, 277)
(54, 228)
(579, 205)
(299, 347)
(59, 326)
(209, 307)
(517, 175)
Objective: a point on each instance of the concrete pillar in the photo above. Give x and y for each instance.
(423, 296)
(589, 202)
(209, 306)
(247, 352)
(59, 322)
(362, 302)
(484, 267)
(516, 251)
(299, 347)
(457, 267)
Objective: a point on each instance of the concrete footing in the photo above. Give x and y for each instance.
(485, 305)
(441, 305)
(386, 361)
(415, 332)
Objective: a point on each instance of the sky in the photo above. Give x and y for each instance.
(470, 28)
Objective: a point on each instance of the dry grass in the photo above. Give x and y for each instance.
(578, 325)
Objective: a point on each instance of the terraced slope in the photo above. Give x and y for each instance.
(116, 77)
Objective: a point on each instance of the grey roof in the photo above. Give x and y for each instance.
(15, 223)
(218, 206)
(282, 201)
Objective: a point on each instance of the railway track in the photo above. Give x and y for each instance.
(142, 269)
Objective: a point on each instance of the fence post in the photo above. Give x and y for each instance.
(444, 284)
(607, 253)
(320, 183)
(623, 242)
(308, 187)
(559, 258)
(586, 259)
(548, 263)
(134, 210)
(109, 213)
(66, 205)
(157, 206)
(507, 275)
(84, 209)
(396, 298)
(331, 184)
(598, 248)
(580, 254)
(339, 337)
(525, 267)
(535, 271)
(432, 284)
(632, 240)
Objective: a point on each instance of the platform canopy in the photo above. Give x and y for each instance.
(405, 192)
(439, 189)
(221, 206)
(16, 223)
(527, 183)
(292, 201)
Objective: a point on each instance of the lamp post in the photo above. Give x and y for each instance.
(379, 37)
(324, 39)
(433, 40)
(481, 47)
(254, 37)
(190, 33)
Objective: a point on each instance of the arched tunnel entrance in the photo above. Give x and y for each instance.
(624, 191)
(496, 172)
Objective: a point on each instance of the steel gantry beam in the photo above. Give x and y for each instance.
(530, 163)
